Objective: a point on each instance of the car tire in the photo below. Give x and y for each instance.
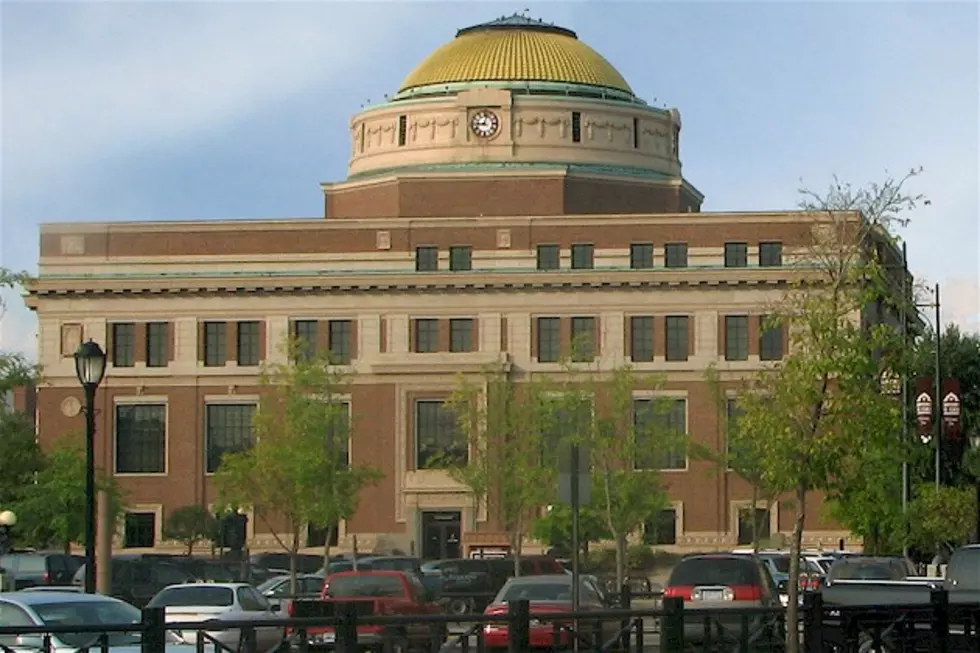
(460, 606)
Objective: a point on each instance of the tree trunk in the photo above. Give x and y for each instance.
(293, 552)
(796, 545)
(516, 538)
(621, 552)
(326, 549)
(755, 519)
(190, 548)
(67, 548)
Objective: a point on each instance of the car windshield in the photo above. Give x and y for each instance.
(394, 564)
(535, 592)
(781, 564)
(25, 564)
(269, 585)
(365, 585)
(90, 613)
(713, 571)
(867, 570)
(194, 596)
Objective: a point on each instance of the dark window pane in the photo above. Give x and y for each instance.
(461, 335)
(549, 257)
(426, 259)
(736, 255)
(583, 256)
(663, 420)
(732, 413)
(228, 430)
(661, 528)
(340, 333)
(248, 343)
(677, 337)
(426, 335)
(641, 255)
(317, 536)
(157, 338)
(576, 127)
(123, 344)
(770, 254)
(402, 129)
(140, 530)
(305, 333)
(641, 338)
(339, 433)
(770, 340)
(736, 337)
(460, 258)
(549, 339)
(141, 439)
(675, 255)
(583, 339)
(439, 442)
(746, 526)
(215, 347)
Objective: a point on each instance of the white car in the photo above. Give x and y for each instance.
(204, 602)
(51, 608)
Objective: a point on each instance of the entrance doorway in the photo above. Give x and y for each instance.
(441, 533)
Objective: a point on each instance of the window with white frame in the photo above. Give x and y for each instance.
(438, 440)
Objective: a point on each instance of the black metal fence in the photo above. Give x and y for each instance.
(345, 627)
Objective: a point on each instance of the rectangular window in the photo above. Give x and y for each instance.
(675, 255)
(439, 443)
(141, 439)
(426, 258)
(661, 529)
(636, 133)
(576, 127)
(215, 347)
(736, 338)
(305, 333)
(426, 336)
(583, 339)
(123, 344)
(460, 258)
(339, 433)
(340, 334)
(641, 256)
(549, 339)
(140, 530)
(157, 337)
(583, 257)
(770, 340)
(664, 421)
(770, 255)
(676, 338)
(736, 255)
(461, 335)
(248, 343)
(228, 429)
(402, 129)
(641, 338)
(549, 257)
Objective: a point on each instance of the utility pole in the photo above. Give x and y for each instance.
(938, 402)
(905, 385)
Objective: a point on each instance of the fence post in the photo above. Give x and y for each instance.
(939, 599)
(812, 622)
(347, 627)
(519, 626)
(672, 625)
(154, 638)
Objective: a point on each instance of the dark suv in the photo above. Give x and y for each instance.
(469, 584)
(136, 578)
(726, 582)
(40, 568)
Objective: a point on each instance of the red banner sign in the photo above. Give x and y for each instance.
(951, 406)
(924, 407)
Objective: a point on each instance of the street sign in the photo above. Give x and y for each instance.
(951, 407)
(923, 408)
(566, 475)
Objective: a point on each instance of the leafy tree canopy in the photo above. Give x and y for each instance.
(190, 525)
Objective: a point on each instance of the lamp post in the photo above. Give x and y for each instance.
(7, 521)
(90, 368)
(975, 443)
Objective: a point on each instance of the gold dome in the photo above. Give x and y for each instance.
(516, 49)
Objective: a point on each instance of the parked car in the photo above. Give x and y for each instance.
(305, 563)
(431, 582)
(19, 609)
(40, 568)
(276, 590)
(137, 578)
(470, 584)
(725, 582)
(372, 592)
(548, 594)
(199, 602)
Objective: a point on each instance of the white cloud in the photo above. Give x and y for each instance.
(959, 300)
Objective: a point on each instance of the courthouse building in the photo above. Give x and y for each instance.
(513, 193)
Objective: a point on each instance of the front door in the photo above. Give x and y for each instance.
(441, 535)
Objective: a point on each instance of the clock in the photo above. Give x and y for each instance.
(484, 123)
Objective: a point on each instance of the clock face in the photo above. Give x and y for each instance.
(484, 123)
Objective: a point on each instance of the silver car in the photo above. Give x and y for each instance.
(50, 608)
(276, 589)
(204, 602)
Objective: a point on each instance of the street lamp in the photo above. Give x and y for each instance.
(975, 443)
(7, 521)
(90, 368)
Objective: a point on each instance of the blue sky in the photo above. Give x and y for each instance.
(201, 110)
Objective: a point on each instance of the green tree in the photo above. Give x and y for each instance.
(20, 457)
(555, 527)
(941, 517)
(505, 424)
(822, 403)
(51, 510)
(298, 468)
(190, 525)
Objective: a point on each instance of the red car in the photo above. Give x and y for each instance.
(547, 595)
